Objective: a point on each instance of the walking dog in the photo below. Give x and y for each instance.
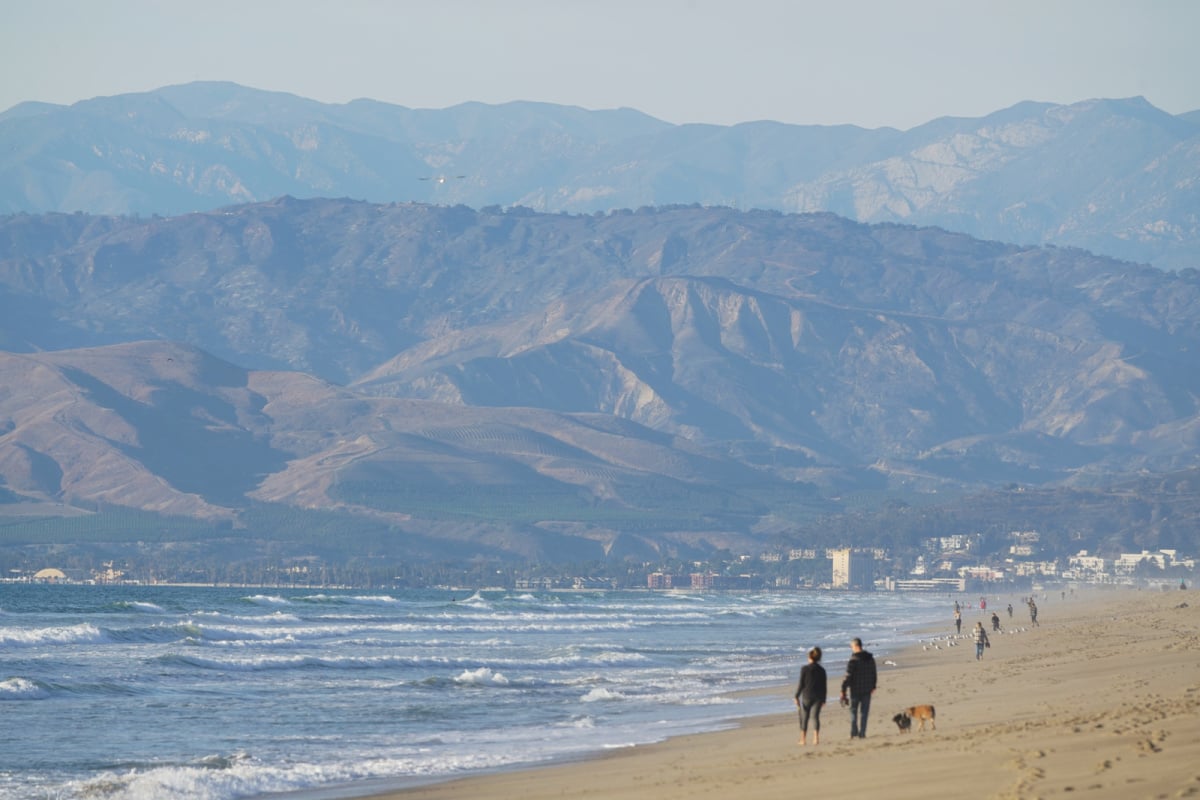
(905, 718)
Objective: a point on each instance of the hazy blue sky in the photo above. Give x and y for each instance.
(898, 63)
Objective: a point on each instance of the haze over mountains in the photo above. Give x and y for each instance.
(1117, 177)
(557, 385)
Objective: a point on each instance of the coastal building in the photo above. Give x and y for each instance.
(853, 569)
(925, 584)
(1087, 568)
(1127, 563)
(1027, 569)
(49, 575)
(536, 584)
(660, 580)
(981, 572)
(109, 574)
(959, 542)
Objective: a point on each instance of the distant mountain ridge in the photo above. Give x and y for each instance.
(1113, 176)
(636, 380)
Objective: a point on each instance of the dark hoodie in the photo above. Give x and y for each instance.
(860, 674)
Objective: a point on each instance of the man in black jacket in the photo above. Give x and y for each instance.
(859, 682)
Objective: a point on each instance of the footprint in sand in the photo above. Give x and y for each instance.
(1146, 747)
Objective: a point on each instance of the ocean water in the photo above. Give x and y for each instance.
(158, 693)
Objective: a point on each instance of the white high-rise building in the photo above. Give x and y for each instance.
(853, 569)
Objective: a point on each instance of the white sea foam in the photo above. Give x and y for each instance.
(370, 600)
(276, 617)
(138, 605)
(68, 634)
(216, 633)
(476, 600)
(248, 778)
(600, 695)
(22, 689)
(374, 600)
(482, 676)
(581, 723)
(268, 600)
(265, 662)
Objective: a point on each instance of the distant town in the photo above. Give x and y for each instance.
(947, 564)
(951, 569)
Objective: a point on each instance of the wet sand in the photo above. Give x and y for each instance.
(1101, 700)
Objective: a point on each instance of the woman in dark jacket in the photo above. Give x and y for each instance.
(810, 695)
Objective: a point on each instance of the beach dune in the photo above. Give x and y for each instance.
(1101, 700)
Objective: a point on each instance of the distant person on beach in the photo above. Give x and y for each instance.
(981, 640)
(1010, 610)
(810, 695)
(995, 621)
(957, 621)
(859, 683)
(1033, 613)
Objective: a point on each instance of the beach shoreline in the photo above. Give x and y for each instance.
(1101, 698)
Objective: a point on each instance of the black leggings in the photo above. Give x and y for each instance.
(812, 711)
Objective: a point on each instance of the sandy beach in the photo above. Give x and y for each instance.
(1101, 700)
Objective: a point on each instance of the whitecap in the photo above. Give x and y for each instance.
(70, 634)
(141, 605)
(476, 600)
(17, 688)
(579, 723)
(268, 600)
(377, 599)
(482, 676)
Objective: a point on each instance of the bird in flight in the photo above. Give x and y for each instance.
(441, 178)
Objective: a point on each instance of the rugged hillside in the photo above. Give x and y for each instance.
(1113, 176)
(678, 374)
(168, 429)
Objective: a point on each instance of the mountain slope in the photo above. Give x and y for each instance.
(792, 348)
(169, 429)
(826, 386)
(1113, 176)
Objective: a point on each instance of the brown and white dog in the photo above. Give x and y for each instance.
(904, 719)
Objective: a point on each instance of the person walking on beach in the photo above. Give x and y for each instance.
(995, 621)
(1010, 610)
(1033, 613)
(957, 621)
(859, 682)
(810, 695)
(981, 640)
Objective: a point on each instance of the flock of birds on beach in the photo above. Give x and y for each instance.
(951, 639)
